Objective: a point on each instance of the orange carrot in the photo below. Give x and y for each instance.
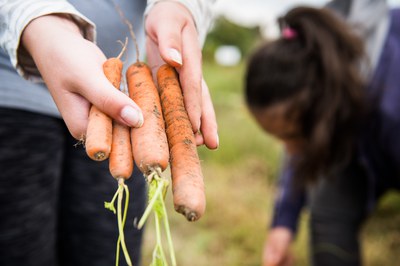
(121, 159)
(112, 69)
(149, 142)
(187, 178)
(99, 130)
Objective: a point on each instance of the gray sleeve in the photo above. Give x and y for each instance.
(342, 7)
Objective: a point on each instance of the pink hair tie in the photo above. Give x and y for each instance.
(289, 33)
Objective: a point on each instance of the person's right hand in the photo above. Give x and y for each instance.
(71, 67)
(172, 38)
(277, 248)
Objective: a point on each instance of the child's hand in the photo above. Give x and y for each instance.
(277, 248)
(172, 38)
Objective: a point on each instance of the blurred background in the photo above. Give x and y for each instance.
(241, 175)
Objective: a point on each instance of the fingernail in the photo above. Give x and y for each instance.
(175, 56)
(132, 116)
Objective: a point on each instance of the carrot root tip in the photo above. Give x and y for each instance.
(191, 216)
(100, 156)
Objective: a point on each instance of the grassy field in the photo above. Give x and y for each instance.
(240, 186)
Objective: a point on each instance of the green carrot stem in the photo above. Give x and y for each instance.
(159, 242)
(149, 207)
(167, 230)
(110, 205)
(117, 252)
(121, 222)
(151, 175)
(126, 203)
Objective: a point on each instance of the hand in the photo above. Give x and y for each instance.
(276, 248)
(72, 70)
(172, 38)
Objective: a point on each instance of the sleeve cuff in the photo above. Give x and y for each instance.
(288, 221)
(20, 13)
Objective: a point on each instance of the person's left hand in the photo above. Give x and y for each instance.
(276, 250)
(172, 38)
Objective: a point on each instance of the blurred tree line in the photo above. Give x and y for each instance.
(225, 32)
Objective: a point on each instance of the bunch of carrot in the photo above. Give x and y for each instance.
(166, 137)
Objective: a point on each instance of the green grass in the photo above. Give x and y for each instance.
(240, 180)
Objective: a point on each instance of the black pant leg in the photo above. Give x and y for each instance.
(338, 209)
(88, 232)
(30, 162)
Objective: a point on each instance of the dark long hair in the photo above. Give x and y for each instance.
(322, 63)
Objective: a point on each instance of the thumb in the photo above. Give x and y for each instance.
(114, 103)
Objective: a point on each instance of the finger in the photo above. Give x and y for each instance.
(289, 261)
(199, 139)
(175, 37)
(169, 43)
(190, 75)
(154, 60)
(167, 35)
(269, 257)
(209, 127)
(75, 112)
(113, 102)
